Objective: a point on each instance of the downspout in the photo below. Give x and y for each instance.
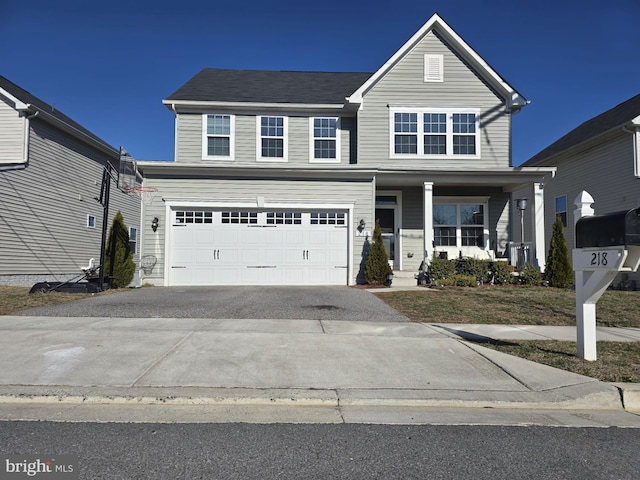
(175, 132)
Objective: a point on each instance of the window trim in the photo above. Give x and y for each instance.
(205, 137)
(91, 224)
(285, 140)
(565, 219)
(312, 139)
(458, 201)
(133, 243)
(449, 134)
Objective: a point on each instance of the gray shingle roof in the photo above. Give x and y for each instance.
(26, 97)
(265, 86)
(613, 118)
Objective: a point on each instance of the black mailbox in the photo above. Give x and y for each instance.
(613, 229)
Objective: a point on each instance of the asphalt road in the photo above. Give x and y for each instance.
(243, 451)
(310, 303)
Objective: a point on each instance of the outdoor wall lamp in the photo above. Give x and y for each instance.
(154, 224)
(362, 224)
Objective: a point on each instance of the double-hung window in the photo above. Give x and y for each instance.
(218, 141)
(324, 140)
(272, 138)
(434, 133)
(561, 209)
(459, 225)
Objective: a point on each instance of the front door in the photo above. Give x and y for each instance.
(387, 213)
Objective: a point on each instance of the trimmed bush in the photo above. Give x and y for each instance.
(376, 267)
(119, 257)
(558, 271)
(502, 273)
(474, 267)
(458, 280)
(530, 275)
(440, 268)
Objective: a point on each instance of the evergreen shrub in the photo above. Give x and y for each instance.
(119, 257)
(376, 267)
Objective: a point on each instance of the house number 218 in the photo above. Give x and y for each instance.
(599, 258)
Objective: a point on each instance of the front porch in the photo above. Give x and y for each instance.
(462, 216)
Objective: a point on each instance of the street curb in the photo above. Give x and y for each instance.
(630, 396)
(577, 397)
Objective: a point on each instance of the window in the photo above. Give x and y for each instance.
(433, 68)
(561, 209)
(133, 238)
(240, 217)
(272, 139)
(218, 142)
(284, 218)
(324, 141)
(328, 218)
(434, 133)
(91, 221)
(194, 216)
(459, 225)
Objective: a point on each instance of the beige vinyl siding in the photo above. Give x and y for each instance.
(44, 208)
(12, 131)
(190, 139)
(247, 190)
(412, 233)
(404, 85)
(604, 170)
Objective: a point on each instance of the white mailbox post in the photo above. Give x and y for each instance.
(605, 245)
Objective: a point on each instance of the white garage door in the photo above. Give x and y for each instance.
(243, 247)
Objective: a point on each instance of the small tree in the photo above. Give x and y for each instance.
(558, 270)
(376, 268)
(119, 257)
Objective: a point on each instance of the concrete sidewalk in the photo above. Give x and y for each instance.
(57, 367)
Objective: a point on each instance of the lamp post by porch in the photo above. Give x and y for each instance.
(521, 204)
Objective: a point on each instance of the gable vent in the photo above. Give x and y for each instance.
(433, 68)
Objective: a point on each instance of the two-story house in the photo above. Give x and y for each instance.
(279, 177)
(50, 173)
(601, 156)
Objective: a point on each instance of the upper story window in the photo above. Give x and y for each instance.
(324, 140)
(434, 132)
(272, 139)
(218, 141)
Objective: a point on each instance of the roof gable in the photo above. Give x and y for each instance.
(513, 100)
(614, 118)
(266, 86)
(26, 101)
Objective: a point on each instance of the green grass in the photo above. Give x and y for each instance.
(511, 306)
(617, 361)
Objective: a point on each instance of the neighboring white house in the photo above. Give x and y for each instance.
(50, 173)
(601, 156)
(279, 177)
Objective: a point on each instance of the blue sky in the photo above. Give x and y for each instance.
(109, 64)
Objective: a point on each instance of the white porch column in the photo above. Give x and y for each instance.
(537, 237)
(428, 221)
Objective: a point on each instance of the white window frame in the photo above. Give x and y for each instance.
(285, 140)
(458, 201)
(420, 111)
(205, 137)
(133, 243)
(560, 212)
(433, 68)
(313, 138)
(90, 223)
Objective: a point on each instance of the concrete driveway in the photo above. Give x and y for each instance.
(255, 302)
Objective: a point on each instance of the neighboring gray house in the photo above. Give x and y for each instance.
(279, 177)
(601, 156)
(50, 173)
